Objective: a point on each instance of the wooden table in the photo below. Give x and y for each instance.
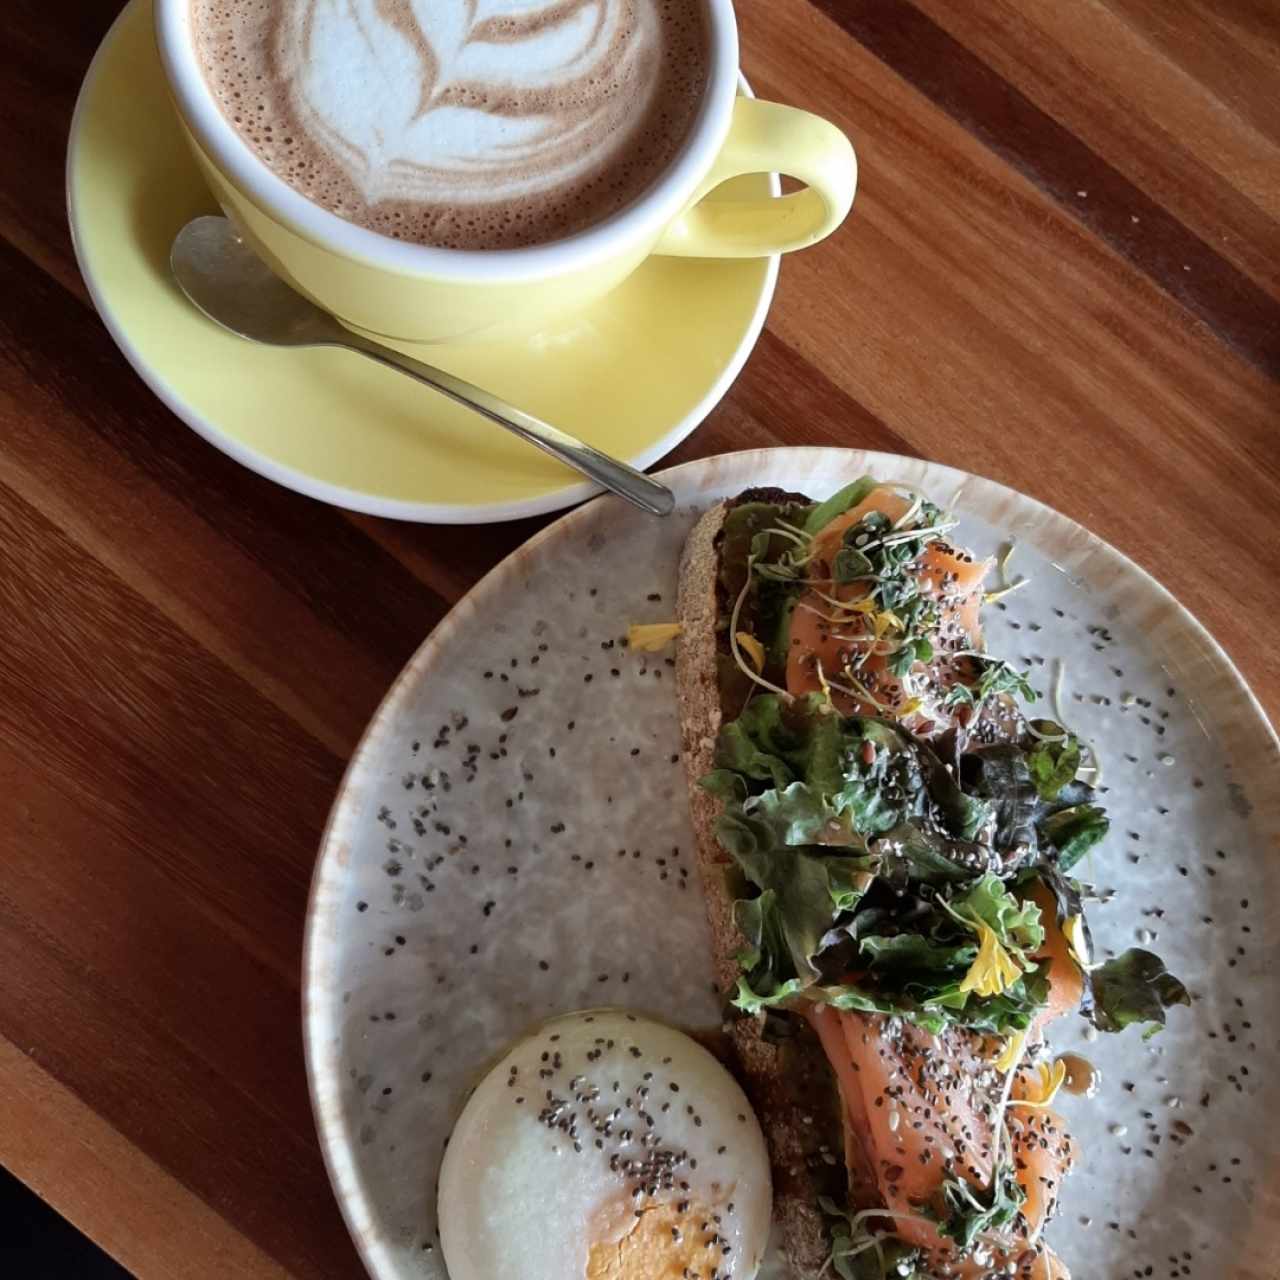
(1062, 270)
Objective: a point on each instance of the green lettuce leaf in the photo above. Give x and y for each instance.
(1015, 921)
(1014, 1009)
(1053, 765)
(765, 950)
(800, 815)
(870, 865)
(757, 744)
(1001, 775)
(967, 817)
(908, 854)
(754, 996)
(772, 747)
(800, 897)
(1026, 821)
(1134, 987)
(729, 786)
(934, 1008)
(745, 533)
(778, 744)
(1073, 832)
(915, 953)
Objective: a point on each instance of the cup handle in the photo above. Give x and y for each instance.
(766, 137)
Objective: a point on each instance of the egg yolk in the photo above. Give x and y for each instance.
(660, 1240)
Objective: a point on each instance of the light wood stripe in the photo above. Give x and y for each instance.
(1191, 126)
(66, 1153)
(1062, 164)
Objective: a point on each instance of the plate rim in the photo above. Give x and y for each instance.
(357, 500)
(344, 1177)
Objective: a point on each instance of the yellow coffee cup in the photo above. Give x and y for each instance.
(417, 293)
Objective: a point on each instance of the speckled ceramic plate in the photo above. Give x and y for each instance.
(511, 841)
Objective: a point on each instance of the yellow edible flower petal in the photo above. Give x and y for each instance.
(990, 597)
(1050, 1080)
(827, 706)
(1073, 931)
(909, 708)
(1054, 1078)
(753, 648)
(652, 637)
(1011, 1054)
(885, 621)
(993, 970)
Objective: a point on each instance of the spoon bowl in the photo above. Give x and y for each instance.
(226, 280)
(223, 277)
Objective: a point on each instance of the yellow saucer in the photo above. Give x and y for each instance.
(633, 375)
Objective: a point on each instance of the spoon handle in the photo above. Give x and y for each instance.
(610, 473)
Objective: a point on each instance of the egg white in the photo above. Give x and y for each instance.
(605, 1131)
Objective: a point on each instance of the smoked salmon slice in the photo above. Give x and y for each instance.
(836, 644)
(927, 1108)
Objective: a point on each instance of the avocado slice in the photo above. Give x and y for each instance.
(779, 642)
(841, 501)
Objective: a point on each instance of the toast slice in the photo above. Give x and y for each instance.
(953, 739)
(787, 1078)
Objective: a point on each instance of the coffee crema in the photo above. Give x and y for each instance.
(465, 124)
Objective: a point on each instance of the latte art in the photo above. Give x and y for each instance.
(422, 100)
(463, 123)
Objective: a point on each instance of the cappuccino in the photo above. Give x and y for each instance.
(464, 124)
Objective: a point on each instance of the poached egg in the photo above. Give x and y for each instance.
(605, 1146)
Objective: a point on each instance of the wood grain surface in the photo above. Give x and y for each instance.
(1062, 271)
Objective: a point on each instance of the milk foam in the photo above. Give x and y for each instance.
(464, 123)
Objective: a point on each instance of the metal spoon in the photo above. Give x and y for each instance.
(234, 287)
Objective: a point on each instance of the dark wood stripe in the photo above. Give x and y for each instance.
(145, 763)
(188, 717)
(265, 1179)
(1240, 313)
(59, 346)
(42, 77)
(801, 405)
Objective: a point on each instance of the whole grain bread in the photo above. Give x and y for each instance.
(788, 1079)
